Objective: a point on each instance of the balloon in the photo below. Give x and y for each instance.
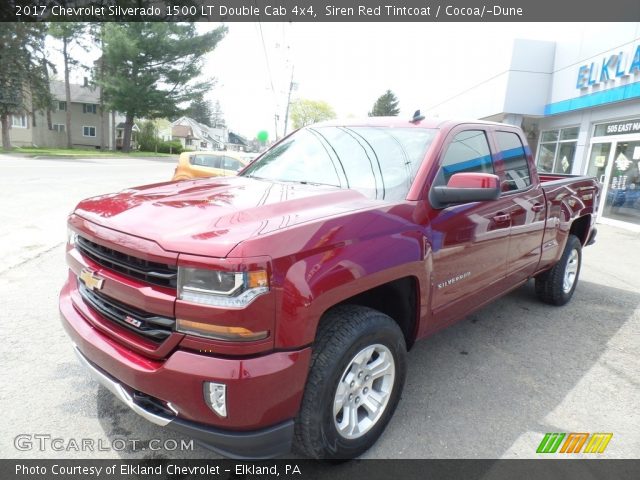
(263, 136)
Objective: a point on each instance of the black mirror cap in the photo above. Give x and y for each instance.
(444, 196)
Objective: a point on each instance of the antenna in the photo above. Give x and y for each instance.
(417, 117)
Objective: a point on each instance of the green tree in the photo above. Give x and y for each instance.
(200, 110)
(305, 112)
(153, 68)
(23, 72)
(386, 106)
(147, 138)
(68, 33)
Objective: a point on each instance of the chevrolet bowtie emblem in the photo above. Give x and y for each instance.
(91, 280)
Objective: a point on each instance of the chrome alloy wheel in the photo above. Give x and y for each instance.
(570, 271)
(364, 391)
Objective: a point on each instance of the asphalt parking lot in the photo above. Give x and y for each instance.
(489, 387)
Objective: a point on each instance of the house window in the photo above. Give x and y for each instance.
(62, 106)
(19, 121)
(89, 131)
(557, 150)
(58, 127)
(89, 108)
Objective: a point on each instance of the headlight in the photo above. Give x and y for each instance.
(221, 289)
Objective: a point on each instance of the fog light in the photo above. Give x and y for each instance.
(215, 395)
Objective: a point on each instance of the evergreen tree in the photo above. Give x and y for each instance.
(24, 68)
(200, 111)
(152, 68)
(386, 106)
(217, 117)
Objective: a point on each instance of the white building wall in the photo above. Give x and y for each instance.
(598, 43)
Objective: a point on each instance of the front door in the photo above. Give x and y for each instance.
(469, 242)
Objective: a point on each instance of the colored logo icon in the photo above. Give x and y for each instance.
(573, 443)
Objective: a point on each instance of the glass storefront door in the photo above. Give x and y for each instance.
(622, 200)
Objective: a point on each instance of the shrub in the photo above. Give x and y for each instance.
(173, 146)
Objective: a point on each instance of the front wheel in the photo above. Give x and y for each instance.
(357, 373)
(556, 286)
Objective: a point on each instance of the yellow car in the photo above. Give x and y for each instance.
(209, 164)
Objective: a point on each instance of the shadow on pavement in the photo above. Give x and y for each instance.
(471, 389)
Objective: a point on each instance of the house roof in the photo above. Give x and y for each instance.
(79, 93)
(181, 131)
(134, 128)
(199, 130)
(237, 139)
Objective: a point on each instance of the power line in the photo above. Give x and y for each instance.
(266, 57)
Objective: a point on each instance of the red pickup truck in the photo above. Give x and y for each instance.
(275, 309)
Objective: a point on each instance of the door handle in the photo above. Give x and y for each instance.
(502, 218)
(537, 207)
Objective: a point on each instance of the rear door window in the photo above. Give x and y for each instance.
(231, 164)
(211, 161)
(512, 165)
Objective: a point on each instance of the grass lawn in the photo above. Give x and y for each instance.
(82, 153)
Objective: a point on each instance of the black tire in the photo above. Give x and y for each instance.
(550, 286)
(344, 333)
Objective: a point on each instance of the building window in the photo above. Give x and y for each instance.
(62, 106)
(58, 127)
(557, 150)
(19, 121)
(89, 131)
(89, 108)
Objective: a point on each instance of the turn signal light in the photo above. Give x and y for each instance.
(219, 332)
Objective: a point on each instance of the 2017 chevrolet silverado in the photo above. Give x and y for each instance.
(275, 309)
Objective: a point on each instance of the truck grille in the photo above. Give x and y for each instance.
(149, 272)
(154, 327)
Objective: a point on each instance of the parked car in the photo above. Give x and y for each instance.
(275, 309)
(208, 164)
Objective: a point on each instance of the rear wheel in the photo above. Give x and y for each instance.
(355, 381)
(556, 286)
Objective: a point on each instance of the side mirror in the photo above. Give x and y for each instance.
(467, 187)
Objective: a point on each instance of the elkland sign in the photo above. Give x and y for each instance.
(616, 66)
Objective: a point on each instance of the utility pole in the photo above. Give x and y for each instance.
(286, 115)
(276, 117)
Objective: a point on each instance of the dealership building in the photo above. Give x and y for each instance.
(579, 104)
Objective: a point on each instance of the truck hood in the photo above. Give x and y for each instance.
(211, 216)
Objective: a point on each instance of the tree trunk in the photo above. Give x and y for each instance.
(6, 140)
(67, 88)
(103, 122)
(114, 147)
(45, 69)
(126, 136)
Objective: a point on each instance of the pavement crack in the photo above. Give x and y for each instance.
(30, 259)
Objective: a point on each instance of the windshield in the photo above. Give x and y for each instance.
(380, 162)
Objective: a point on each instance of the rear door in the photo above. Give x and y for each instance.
(207, 165)
(231, 166)
(469, 241)
(525, 204)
